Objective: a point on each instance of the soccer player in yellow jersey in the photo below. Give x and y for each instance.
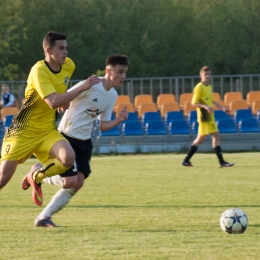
(203, 100)
(33, 130)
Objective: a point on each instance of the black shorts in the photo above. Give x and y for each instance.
(83, 151)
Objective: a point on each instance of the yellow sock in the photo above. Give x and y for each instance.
(51, 168)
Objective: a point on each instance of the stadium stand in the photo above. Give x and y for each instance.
(132, 116)
(195, 127)
(255, 106)
(220, 114)
(149, 116)
(242, 113)
(132, 127)
(173, 115)
(192, 117)
(216, 96)
(184, 97)
(146, 107)
(164, 98)
(234, 105)
(112, 132)
(8, 111)
(226, 125)
(230, 96)
(252, 96)
(220, 102)
(188, 107)
(119, 107)
(179, 127)
(7, 121)
(248, 125)
(155, 128)
(122, 99)
(141, 99)
(166, 107)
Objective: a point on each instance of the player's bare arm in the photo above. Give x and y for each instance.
(209, 109)
(106, 125)
(225, 109)
(56, 100)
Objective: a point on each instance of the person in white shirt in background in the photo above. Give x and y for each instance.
(76, 125)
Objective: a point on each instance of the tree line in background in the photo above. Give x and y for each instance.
(162, 38)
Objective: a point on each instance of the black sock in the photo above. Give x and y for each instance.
(218, 152)
(192, 150)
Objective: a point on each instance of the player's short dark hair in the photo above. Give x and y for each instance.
(117, 59)
(50, 38)
(205, 69)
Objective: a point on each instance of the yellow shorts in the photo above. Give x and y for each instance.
(22, 148)
(206, 128)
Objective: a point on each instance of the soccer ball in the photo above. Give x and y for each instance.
(234, 221)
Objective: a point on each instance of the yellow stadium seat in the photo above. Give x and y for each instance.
(188, 107)
(140, 99)
(122, 99)
(8, 111)
(164, 98)
(119, 107)
(184, 98)
(252, 96)
(237, 104)
(220, 102)
(255, 106)
(170, 106)
(216, 96)
(229, 96)
(146, 107)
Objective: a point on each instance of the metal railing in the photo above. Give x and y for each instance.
(174, 85)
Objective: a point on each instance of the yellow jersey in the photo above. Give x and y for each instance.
(36, 116)
(203, 94)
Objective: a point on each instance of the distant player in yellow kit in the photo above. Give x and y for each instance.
(203, 100)
(33, 130)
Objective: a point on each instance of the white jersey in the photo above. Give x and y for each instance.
(77, 121)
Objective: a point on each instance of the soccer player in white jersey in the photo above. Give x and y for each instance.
(76, 126)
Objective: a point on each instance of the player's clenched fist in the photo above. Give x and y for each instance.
(123, 115)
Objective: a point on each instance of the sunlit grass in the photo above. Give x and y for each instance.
(139, 207)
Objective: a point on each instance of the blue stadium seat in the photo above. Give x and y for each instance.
(195, 127)
(192, 117)
(132, 127)
(179, 127)
(8, 121)
(149, 116)
(132, 116)
(226, 125)
(112, 132)
(258, 116)
(242, 113)
(155, 127)
(220, 114)
(248, 125)
(173, 115)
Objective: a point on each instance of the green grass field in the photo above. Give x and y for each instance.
(139, 207)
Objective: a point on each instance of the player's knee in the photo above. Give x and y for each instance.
(68, 161)
(69, 183)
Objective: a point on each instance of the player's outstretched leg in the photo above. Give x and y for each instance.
(30, 180)
(58, 202)
(46, 222)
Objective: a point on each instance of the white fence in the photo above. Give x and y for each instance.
(175, 85)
